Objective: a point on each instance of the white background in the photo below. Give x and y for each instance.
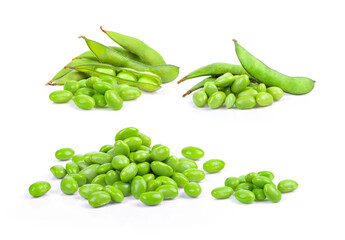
(299, 137)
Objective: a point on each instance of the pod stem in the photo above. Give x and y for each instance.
(83, 37)
(182, 80)
(70, 67)
(187, 93)
(235, 41)
(103, 29)
(50, 83)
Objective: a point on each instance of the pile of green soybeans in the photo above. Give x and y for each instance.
(129, 167)
(254, 186)
(109, 75)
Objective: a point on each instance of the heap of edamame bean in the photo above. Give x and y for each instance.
(254, 186)
(120, 73)
(129, 167)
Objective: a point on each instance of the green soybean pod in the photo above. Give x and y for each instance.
(133, 143)
(84, 102)
(58, 171)
(77, 158)
(89, 172)
(86, 190)
(230, 100)
(272, 193)
(276, 92)
(143, 168)
(216, 100)
(106, 148)
(161, 169)
(99, 100)
(130, 93)
(99, 179)
(245, 196)
(152, 185)
(192, 189)
(210, 88)
(248, 92)
(72, 168)
(232, 182)
(129, 172)
(124, 187)
(245, 186)
(250, 176)
(245, 102)
(115, 193)
(200, 98)
(222, 192)
(111, 177)
(85, 91)
(194, 175)
(193, 153)
(99, 199)
(260, 181)
(261, 87)
(120, 148)
(71, 86)
(259, 194)
(119, 162)
(180, 179)
(126, 133)
(169, 191)
(81, 180)
(60, 96)
(148, 177)
(104, 168)
(267, 174)
(64, 154)
(69, 185)
(240, 83)
(287, 185)
(264, 99)
(151, 198)
(213, 165)
(38, 189)
(113, 99)
(138, 186)
(146, 141)
(160, 153)
(172, 161)
(185, 164)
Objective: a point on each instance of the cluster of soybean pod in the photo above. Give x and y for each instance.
(246, 86)
(254, 186)
(109, 75)
(129, 167)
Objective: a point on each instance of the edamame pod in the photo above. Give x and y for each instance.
(90, 55)
(270, 77)
(199, 85)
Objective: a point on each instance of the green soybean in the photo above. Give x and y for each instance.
(287, 185)
(133, 143)
(58, 171)
(200, 98)
(60, 96)
(146, 141)
(84, 102)
(72, 168)
(232, 182)
(250, 176)
(98, 199)
(260, 181)
(77, 158)
(111, 177)
(99, 179)
(102, 87)
(120, 148)
(161, 169)
(85, 91)
(185, 164)
(115, 193)
(138, 186)
(129, 172)
(89, 172)
(264, 99)
(216, 100)
(140, 156)
(71, 86)
(240, 83)
(194, 175)
(210, 88)
(225, 80)
(169, 191)
(166, 180)
(153, 184)
(245, 102)
(213, 165)
(113, 99)
(104, 168)
(172, 161)
(119, 162)
(259, 194)
(245, 186)
(64, 154)
(151, 198)
(222, 192)
(100, 158)
(69, 185)
(193, 153)
(143, 168)
(81, 180)
(261, 87)
(248, 92)
(130, 93)
(86, 190)
(38, 189)
(126, 133)
(267, 174)
(192, 189)
(124, 187)
(245, 196)
(230, 100)
(199, 85)
(180, 179)
(272, 193)
(276, 92)
(160, 153)
(148, 177)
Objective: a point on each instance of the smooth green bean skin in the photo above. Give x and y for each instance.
(225, 80)
(199, 85)
(107, 55)
(259, 194)
(64, 154)
(130, 93)
(213, 165)
(248, 92)
(222, 192)
(106, 148)
(192, 189)
(111, 177)
(193, 153)
(166, 180)
(276, 92)
(99, 199)
(194, 175)
(82, 164)
(82, 83)
(160, 153)
(260, 181)
(200, 98)
(85, 91)
(113, 99)
(60, 96)
(72, 168)
(69, 185)
(109, 79)
(250, 176)
(215, 69)
(100, 158)
(152, 185)
(210, 88)
(148, 177)
(70, 75)
(99, 179)
(161, 169)
(264, 99)
(185, 164)
(147, 54)
(169, 191)
(172, 161)
(120, 148)
(115, 193)
(245, 102)
(140, 156)
(138, 186)
(89, 172)
(272, 193)
(216, 100)
(261, 87)
(143, 168)
(133, 143)
(232, 182)
(91, 56)
(124, 187)
(180, 179)
(146, 141)
(58, 171)
(102, 87)
(230, 100)
(127, 76)
(129, 172)
(126, 133)
(38, 189)
(287, 185)
(242, 178)
(151, 198)
(267, 174)
(71, 86)
(86, 190)
(270, 77)
(240, 83)
(77, 158)
(245, 186)
(245, 196)
(84, 102)
(81, 180)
